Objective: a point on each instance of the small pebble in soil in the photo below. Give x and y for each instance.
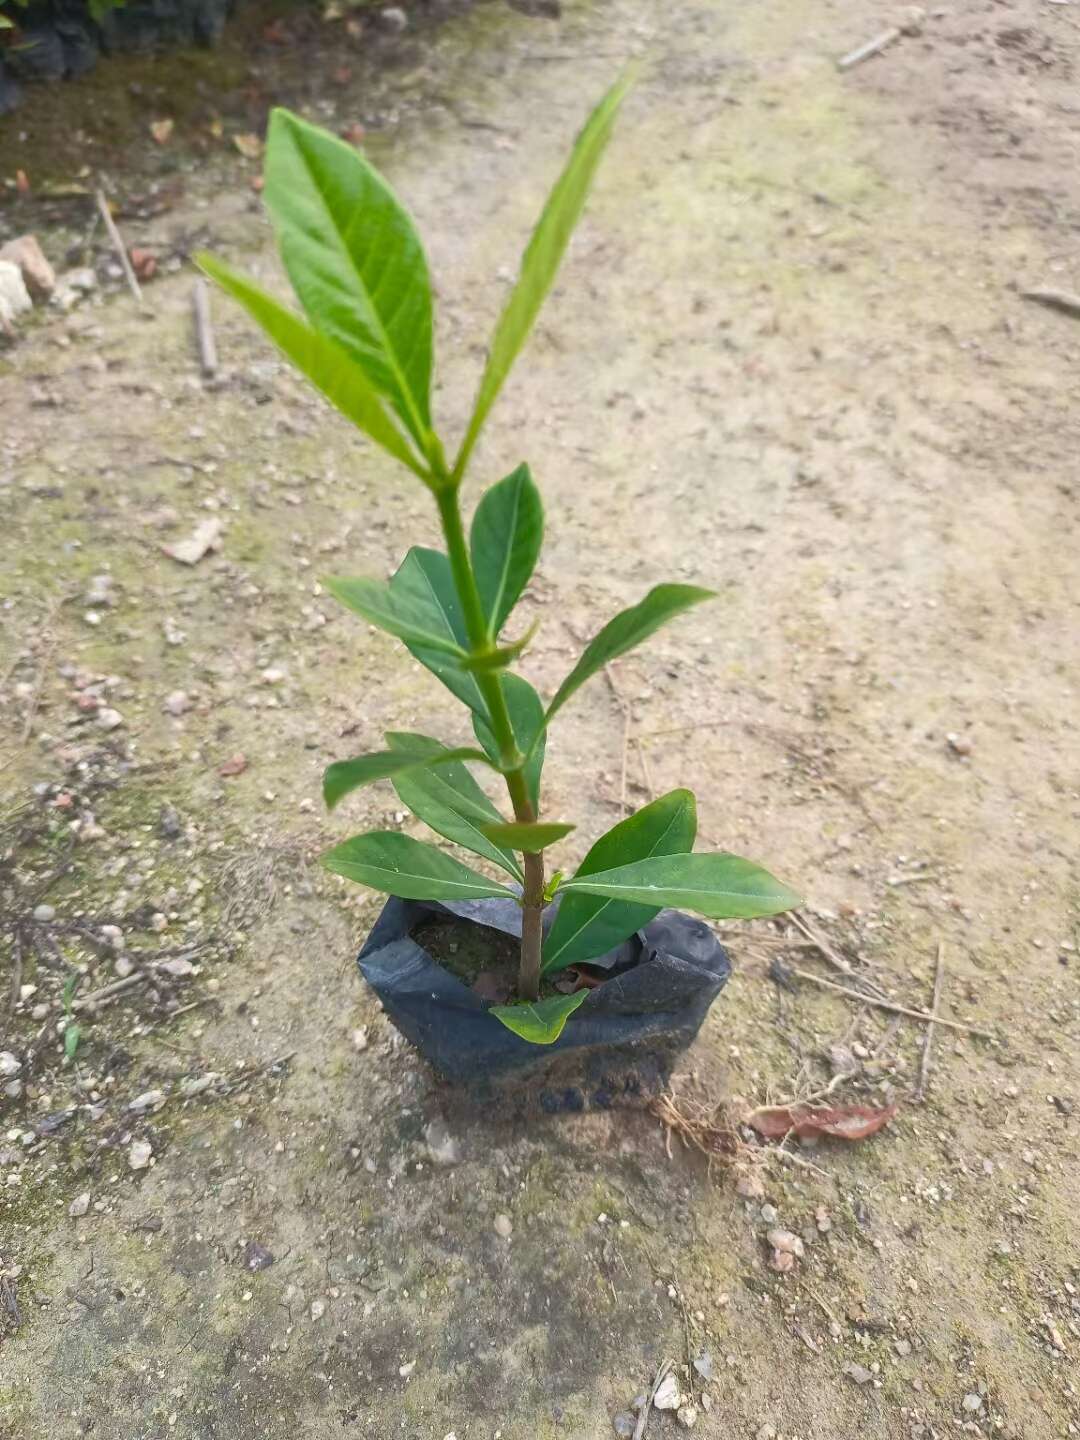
(10, 1064)
(972, 1402)
(667, 1395)
(859, 1373)
(442, 1147)
(623, 1424)
(44, 913)
(393, 18)
(80, 1205)
(504, 1226)
(769, 1214)
(318, 1309)
(139, 1154)
(687, 1416)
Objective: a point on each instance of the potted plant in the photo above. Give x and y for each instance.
(603, 958)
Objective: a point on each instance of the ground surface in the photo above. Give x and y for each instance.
(788, 358)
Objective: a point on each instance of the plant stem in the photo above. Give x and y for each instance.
(502, 728)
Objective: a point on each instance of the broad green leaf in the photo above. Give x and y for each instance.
(449, 800)
(344, 776)
(541, 1022)
(627, 629)
(326, 364)
(530, 836)
(527, 718)
(542, 258)
(505, 538)
(425, 582)
(396, 613)
(399, 865)
(722, 887)
(355, 261)
(590, 925)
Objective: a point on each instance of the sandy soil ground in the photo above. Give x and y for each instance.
(789, 357)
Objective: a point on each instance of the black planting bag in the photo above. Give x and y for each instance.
(661, 984)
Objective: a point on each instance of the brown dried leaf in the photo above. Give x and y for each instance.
(843, 1122)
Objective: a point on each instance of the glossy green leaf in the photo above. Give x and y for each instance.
(627, 629)
(505, 539)
(542, 258)
(323, 362)
(425, 582)
(543, 1021)
(449, 800)
(344, 776)
(399, 865)
(590, 925)
(722, 887)
(529, 836)
(355, 261)
(527, 718)
(395, 612)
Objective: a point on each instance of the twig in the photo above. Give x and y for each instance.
(110, 991)
(48, 646)
(799, 1162)
(16, 972)
(928, 1039)
(894, 880)
(204, 329)
(888, 1005)
(643, 1415)
(1063, 300)
(869, 48)
(118, 245)
(826, 952)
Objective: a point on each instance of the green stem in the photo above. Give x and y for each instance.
(476, 627)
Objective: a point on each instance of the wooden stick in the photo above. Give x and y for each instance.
(643, 1416)
(928, 1039)
(1062, 300)
(871, 47)
(826, 951)
(118, 245)
(204, 329)
(888, 1005)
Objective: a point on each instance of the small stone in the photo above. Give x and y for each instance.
(177, 702)
(823, 1220)
(179, 968)
(859, 1373)
(99, 590)
(769, 1214)
(123, 966)
(667, 1395)
(10, 1064)
(108, 718)
(38, 275)
(113, 937)
(139, 1154)
(318, 1309)
(972, 1402)
(504, 1226)
(360, 1038)
(80, 1205)
(257, 1257)
(14, 296)
(158, 922)
(394, 18)
(843, 1060)
(959, 744)
(782, 1261)
(750, 1185)
(148, 1100)
(687, 1416)
(787, 1242)
(406, 1370)
(902, 1347)
(442, 1147)
(169, 823)
(703, 1365)
(273, 676)
(13, 1089)
(44, 913)
(624, 1425)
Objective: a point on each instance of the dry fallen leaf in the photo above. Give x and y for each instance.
(143, 262)
(206, 536)
(843, 1122)
(250, 146)
(235, 765)
(162, 130)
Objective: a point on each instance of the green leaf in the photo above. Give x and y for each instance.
(323, 362)
(626, 630)
(542, 258)
(399, 865)
(501, 656)
(505, 538)
(355, 261)
(590, 925)
(529, 836)
(541, 1022)
(344, 776)
(425, 582)
(449, 800)
(527, 718)
(72, 1036)
(722, 887)
(394, 613)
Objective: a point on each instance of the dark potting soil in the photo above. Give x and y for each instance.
(468, 951)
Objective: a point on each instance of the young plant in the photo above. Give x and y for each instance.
(366, 341)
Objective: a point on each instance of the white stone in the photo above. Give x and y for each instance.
(139, 1154)
(668, 1396)
(80, 1205)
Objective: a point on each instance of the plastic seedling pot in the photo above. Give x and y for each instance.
(617, 1047)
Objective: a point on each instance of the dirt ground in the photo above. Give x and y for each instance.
(789, 357)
